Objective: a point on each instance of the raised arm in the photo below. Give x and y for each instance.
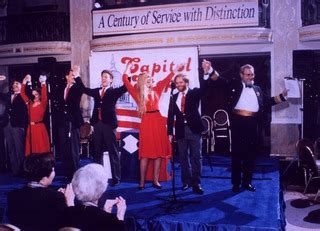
(162, 84)
(23, 94)
(129, 87)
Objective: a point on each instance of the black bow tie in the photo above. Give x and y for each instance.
(249, 85)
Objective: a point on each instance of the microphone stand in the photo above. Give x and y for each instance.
(172, 199)
(52, 147)
(29, 117)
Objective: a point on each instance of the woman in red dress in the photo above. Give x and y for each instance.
(37, 134)
(153, 139)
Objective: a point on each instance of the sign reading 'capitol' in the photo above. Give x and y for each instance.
(198, 15)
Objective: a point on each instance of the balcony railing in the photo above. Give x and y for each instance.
(310, 12)
(37, 27)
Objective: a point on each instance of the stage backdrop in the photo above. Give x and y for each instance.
(158, 62)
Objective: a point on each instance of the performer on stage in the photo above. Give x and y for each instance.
(184, 109)
(246, 102)
(15, 123)
(153, 140)
(70, 121)
(104, 121)
(37, 140)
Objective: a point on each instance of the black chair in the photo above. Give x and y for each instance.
(207, 136)
(207, 133)
(308, 163)
(300, 153)
(221, 127)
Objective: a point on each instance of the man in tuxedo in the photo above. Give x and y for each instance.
(15, 121)
(246, 103)
(70, 121)
(184, 109)
(104, 121)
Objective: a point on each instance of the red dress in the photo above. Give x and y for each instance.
(153, 138)
(38, 137)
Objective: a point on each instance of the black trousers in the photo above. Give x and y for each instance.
(104, 138)
(15, 140)
(69, 148)
(244, 148)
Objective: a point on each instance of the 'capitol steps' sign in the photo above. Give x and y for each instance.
(198, 15)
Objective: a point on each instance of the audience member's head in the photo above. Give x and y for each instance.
(40, 168)
(90, 182)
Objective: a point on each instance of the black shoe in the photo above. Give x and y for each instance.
(197, 189)
(185, 187)
(141, 187)
(249, 187)
(156, 186)
(115, 182)
(235, 188)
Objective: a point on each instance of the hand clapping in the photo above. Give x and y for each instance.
(121, 207)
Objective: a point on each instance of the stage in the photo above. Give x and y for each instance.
(218, 209)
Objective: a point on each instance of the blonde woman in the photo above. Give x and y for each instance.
(154, 143)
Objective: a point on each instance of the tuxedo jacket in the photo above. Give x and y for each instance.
(264, 101)
(107, 104)
(16, 111)
(91, 218)
(71, 111)
(35, 208)
(192, 115)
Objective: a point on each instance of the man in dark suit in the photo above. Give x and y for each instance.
(184, 109)
(246, 102)
(104, 121)
(70, 122)
(15, 121)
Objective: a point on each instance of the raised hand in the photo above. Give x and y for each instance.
(2, 77)
(26, 79)
(76, 70)
(109, 205)
(69, 195)
(285, 92)
(121, 208)
(206, 65)
(42, 79)
(128, 68)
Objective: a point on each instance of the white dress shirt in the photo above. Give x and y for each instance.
(248, 100)
(178, 102)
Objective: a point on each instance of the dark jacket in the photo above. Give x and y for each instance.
(107, 104)
(16, 112)
(35, 208)
(70, 108)
(91, 218)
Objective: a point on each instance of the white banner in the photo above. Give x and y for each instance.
(158, 62)
(173, 17)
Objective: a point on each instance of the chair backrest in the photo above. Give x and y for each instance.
(301, 144)
(317, 148)
(308, 159)
(207, 124)
(221, 118)
(85, 130)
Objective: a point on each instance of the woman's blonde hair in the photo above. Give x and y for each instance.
(141, 84)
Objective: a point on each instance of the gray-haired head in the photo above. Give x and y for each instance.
(90, 182)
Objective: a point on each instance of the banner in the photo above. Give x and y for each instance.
(173, 17)
(158, 62)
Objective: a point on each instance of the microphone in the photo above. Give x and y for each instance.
(173, 86)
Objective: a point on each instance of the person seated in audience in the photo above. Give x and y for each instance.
(36, 206)
(89, 183)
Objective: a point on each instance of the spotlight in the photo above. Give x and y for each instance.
(98, 4)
